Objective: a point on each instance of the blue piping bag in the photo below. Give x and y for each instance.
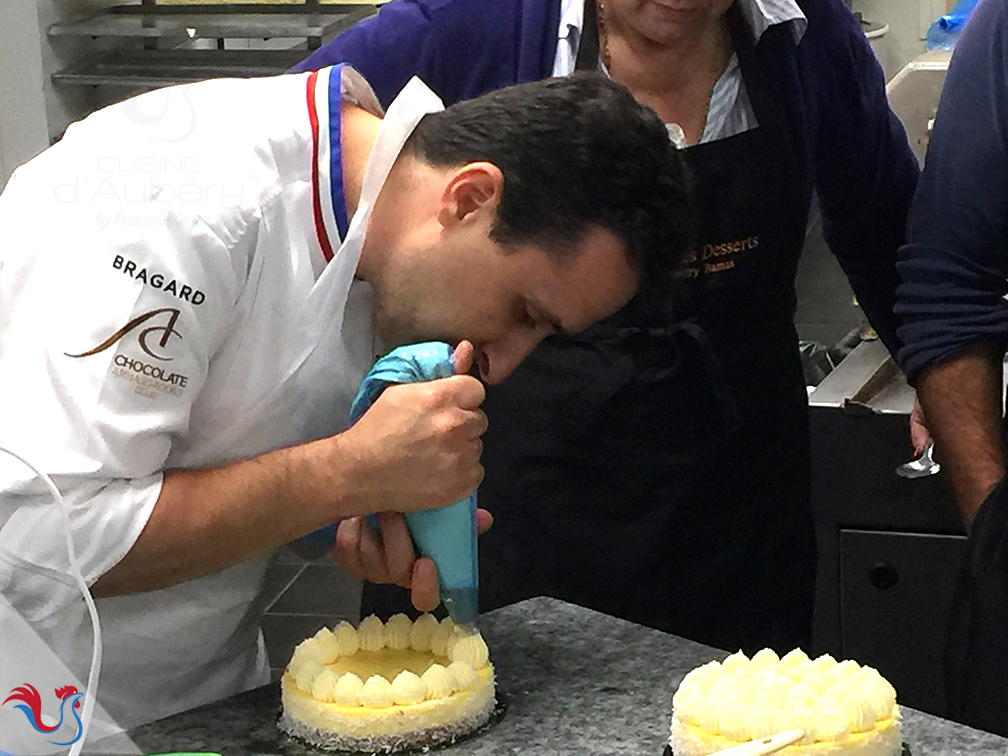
(446, 535)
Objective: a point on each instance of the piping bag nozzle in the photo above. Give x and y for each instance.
(446, 535)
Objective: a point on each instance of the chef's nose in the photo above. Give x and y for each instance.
(498, 359)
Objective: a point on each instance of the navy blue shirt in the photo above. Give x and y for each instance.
(955, 263)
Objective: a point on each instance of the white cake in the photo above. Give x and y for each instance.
(844, 708)
(387, 687)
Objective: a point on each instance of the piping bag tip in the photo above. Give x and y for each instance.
(463, 607)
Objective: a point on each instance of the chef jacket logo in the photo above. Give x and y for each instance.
(148, 338)
(31, 706)
(155, 329)
(156, 280)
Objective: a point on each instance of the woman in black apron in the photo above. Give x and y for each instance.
(662, 473)
(656, 469)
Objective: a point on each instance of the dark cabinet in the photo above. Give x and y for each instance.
(889, 547)
(895, 598)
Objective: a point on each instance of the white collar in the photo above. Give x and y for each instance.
(571, 17)
(762, 14)
(759, 14)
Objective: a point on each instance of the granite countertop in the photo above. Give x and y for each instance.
(573, 681)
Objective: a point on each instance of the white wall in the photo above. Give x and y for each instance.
(908, 23)
(33, 111)
(23, 123)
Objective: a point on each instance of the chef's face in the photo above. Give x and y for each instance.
(665, 22)
(504, 301)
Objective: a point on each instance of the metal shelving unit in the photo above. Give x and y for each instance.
(158, 44)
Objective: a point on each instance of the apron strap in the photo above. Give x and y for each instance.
(588, 44)
(730, 414)
(760, 85)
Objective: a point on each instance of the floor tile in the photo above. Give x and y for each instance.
(321, 589)
(278, 577)
(282, 632)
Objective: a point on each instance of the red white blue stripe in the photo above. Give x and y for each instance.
(329, 211)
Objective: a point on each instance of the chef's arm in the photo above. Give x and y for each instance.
(962, 402)
(206, 520)
(417, 447)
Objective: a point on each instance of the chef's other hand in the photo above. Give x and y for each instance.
(388, 557)
(919, 433)
(418, 446)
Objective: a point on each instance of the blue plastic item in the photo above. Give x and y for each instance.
(945, 31)
(446, 535)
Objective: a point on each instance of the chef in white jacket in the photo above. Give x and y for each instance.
(192, 284)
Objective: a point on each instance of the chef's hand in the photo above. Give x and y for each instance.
(388, 557)
(418, 446)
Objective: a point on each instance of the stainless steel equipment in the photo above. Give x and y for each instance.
(914, 93)
(889, 546)
(150, 44)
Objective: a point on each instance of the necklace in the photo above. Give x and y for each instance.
(603, 34)
(717, 67)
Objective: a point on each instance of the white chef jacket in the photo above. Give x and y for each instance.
(168, 300)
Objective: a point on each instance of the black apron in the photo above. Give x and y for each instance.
(655, 467)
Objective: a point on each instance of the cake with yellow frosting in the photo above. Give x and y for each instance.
(386, 687)
(843, 708)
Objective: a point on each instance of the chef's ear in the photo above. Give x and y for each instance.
(471, 193)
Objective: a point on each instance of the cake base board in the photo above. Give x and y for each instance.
(314, 740)
(669, 752)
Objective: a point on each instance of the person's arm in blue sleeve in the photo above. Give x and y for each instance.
(955, 263)
(865, 170)
(459, 48)
(387, 48)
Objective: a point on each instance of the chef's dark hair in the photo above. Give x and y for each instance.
(576, 151)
